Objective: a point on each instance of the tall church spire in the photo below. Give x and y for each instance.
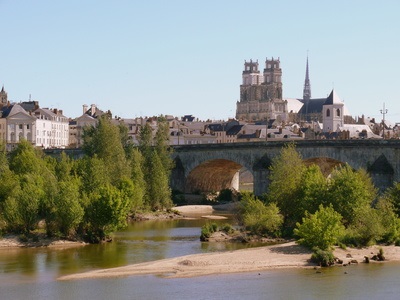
(307, 86)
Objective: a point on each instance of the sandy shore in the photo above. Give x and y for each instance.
(12, 241)
(287, 255)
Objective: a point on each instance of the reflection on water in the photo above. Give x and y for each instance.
(32, 273)
(139, 242)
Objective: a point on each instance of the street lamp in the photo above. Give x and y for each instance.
(384, 112)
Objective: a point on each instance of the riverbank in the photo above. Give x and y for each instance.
(13, 241)
(287, 255)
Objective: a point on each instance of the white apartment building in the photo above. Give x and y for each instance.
(52, 128)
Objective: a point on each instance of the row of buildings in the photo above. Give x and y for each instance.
(261, 114)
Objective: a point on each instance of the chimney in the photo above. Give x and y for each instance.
(85, 108)
(92, 109)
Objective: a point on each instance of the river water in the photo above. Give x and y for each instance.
(33, 273)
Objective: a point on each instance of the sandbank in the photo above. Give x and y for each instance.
(287, 255)
(12, 241)
(194, 209)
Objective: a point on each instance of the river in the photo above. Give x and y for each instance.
(33, 273)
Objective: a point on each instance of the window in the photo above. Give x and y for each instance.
(338, 112)
(328, 112)
(27, 126)
(20, 126)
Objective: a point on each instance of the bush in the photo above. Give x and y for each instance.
(323, 258)
(207, 230)
(367, 229)
(321, 229)
(260, 218)
(227, 228)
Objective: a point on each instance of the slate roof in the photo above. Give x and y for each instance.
(313, 106)
(234, 130)
(333, 98)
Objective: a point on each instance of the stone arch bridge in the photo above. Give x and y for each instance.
(212, 167)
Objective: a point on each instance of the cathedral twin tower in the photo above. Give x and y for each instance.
(261, 94)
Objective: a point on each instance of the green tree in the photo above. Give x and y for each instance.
(64, 167)
(162, 145)
(366, 228)
(107, 212)
(260, 218)
(93, 174)
(322, 229)
(68, 212)
(21, 211)
(145, 140)
(105, 142)
(26, 159)
(312, 191)
(393, 195)
(350, 192)
(8, 180)
(159, 192)
(286, 172)
(389, 220)
(137, 176)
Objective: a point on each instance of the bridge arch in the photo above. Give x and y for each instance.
(212, 171)
(215, 175)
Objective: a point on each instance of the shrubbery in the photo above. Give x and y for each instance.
(322, 230)
(207, 230)
(323, 258)
(259, 218)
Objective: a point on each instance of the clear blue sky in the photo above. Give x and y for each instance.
(144, 58)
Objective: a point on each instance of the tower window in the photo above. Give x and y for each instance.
(328, 112)
(338, 112)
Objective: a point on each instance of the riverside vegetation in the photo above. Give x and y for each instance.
(88, 198)
(343, 209)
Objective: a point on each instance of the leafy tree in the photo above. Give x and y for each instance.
(8, 180)
(145, 140)
(63, 168)
(389, 219)
(312, 191)
(159, 192)
(260, 218)
(350, 192)
(68, 212)
(393, 195)
(26, 159)
(107, 212)
(286, 172)
(162, 145)
(366, 228)
(93, 174)
(137, 176)
(105, 142)
(21, 210)
(321, 229)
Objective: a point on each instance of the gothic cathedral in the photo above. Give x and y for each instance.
(261, 94)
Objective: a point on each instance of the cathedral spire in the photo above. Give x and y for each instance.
(307, 86)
